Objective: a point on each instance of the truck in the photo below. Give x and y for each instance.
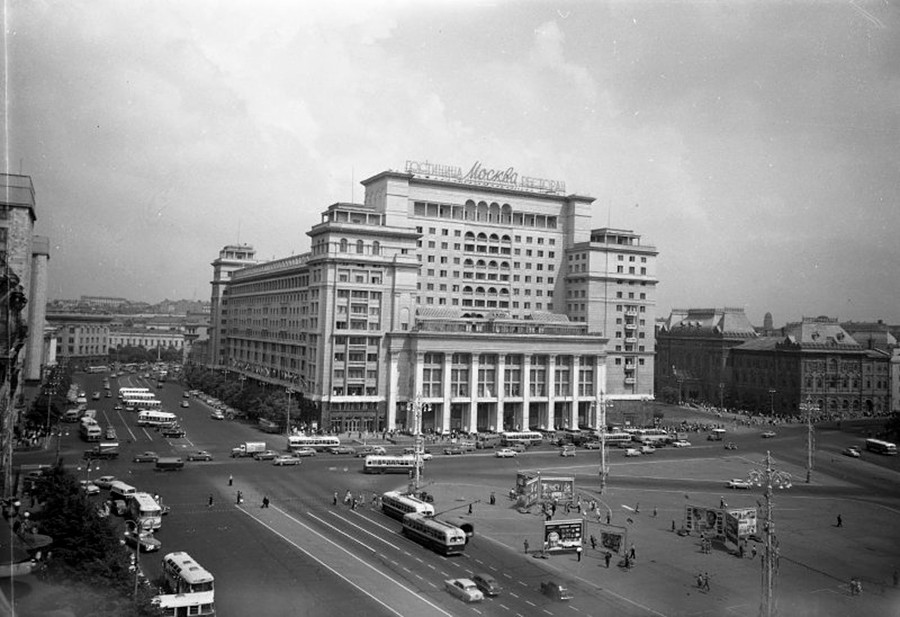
(248, 448)
(103, 450)
(169, 463)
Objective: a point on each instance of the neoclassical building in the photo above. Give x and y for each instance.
(485, 296)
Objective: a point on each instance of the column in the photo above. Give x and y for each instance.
(445, 407)
(501, 393)
(573, 411)
(392, 383)
(551, 394)
(526, 391)
(472, 424)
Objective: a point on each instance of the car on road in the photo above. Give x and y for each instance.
(632, 452)
(217, 415)
(454, 450)
(185, 404)
(108, 394)
(285, 459)
(146, 457)
(681, 443)
(730, 445)
(738, 483)
(464, 589)
(96, 396)
(199, 455)
(89, 488)
(487, 584)
(647, 449)
(105, 481)
(518, 447)
(148, 542)
(426, 454)
(342, 450)
(506, 453)
(110, 433)
(567, 451)
(851, 451)
(305, 452)
(768, 434)
(266, 455)
(369, 451)
(593, 445)
(186, 394)
(173, 431)
(555, 590)
(118, 407)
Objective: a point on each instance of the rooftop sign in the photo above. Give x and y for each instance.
(507, 178)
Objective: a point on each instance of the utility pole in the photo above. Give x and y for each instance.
(809, 408)
(417, 407)
(287, 427)
(601, 425)
(769, 478)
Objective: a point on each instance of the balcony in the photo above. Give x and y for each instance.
(629, 368)
(630, 340)
(629, 381)
(630, 326)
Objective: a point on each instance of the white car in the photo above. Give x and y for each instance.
(681, 443)
(647, 449)
(632, 452)
(217, 415)
(305, 452)
(768, 434)
(738, 483)
(464, 589)
(567, 451)
(506, 453)
(105, 481)
(285, 459)
(90, 488)
(852, 452)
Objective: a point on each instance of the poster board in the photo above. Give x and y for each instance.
(563, 535)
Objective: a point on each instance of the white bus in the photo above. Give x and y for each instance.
(652, 437)
(144, 511)
(157, 418)
(620, 440)
(385, 463)
(140, 396)
(200, 604)
(397, 505)
(124, 392)
(97, 369)
(317, 442)
(881, 446)
(192, 587)
(528, 438)
(439, 536)
(141, 404)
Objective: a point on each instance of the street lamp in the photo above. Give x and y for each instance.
(601, 423)
(769, 478)
(417, 407)
(809, 408)
(288, 425)
(772, 401)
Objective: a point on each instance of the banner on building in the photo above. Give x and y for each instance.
(563, 535)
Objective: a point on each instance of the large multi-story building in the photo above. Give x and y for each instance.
(81, 339)
(484, 299)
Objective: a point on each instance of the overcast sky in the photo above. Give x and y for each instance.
(755, 144)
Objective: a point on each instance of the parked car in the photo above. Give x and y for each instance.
(217, 415)
(266, 455)
(632, 452)
(487, 584)
(342, 450)
(104, 481)
(506, 453)
(464, 589)
(110, 433)
(647, 449)
(118, 407)
(146, 457)
(738, 483)
(426, 455)
(592, 445)
(185, 404)
(681, 443)
(90, 488)
(851, 451)
(518, 447)
(148, 542)
(768, 434)
(305, 452)
(454, 450)
(199, 455)
(173, 431)
(285, 459)
(555, 590)
(370, 450)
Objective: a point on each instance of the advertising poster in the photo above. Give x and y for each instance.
(527, 489)
(563, 535)
(740, 523)
(708, 521)
(559, 489)
(613, 539)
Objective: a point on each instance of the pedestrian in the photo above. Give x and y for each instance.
(741, 550)
(230, 480)
(470, 508)
(608, 517)
(525, 544)
(840, 521)
(721, 502)
(673, 525)
(493, 498)
(348, 497)
(655, 512)
(753, 552)
(335, 498)
(637, 508)
(209, 505)
(607, 557)
(594, 543)
(631, 552)
(706, 581)
(240, 497)
(578, 550)
(265, 503)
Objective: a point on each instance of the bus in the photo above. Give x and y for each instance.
(386, 463)
(157, 418)
(486, 441)
(439, 536)
(144, 511)
(200, 604)
(98, 369)
(192, 588)
(141, 396)
(652, 437)
(124, 392)
(142, 404)
(528, 438)
(317, 442)
(397, 505)
(91, 432)
(617, 440)
(881, 446)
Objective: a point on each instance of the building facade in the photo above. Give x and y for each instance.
(81, 340)
(484, 301)
(147, 338)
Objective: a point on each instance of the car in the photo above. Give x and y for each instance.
(266, 455)
(426, 454)
(851, 451)
(108, 394)
(148, 542)
(185, 404)
(681, 443)
(173, 431)
(118, 407)
(342, 450)
(104, 481)
(518, 447)
(454, 450)
(768, 434)
(146, 457)
(506, 453)
(647, 449)
(110, 433)
(487, 584)
(217, 415)
(632, 452)
(89, 488)
(567, 451)
(199, 455)
(738, 483)
(592, 445)
(370, 450)
(305, 452)
(464, 589)
(186, 394)
(96, 396)
(555, 590)
(285, 459)
(730, 445)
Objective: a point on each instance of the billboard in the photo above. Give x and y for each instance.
(563, 535)
(532, 487)
(740, 523)
(613, 539)
(708, 521)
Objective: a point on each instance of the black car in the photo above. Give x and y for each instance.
(173, 431)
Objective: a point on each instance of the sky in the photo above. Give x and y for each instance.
(755, 144)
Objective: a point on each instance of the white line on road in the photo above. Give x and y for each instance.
(393, 546)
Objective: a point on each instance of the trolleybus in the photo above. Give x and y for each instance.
(528, 438)
(144, 511)
(439, 536)
(157, 418)
(192, 588)
(386, 463)
(124, 392)
(881, 446)
(397, 505)
(317, 442)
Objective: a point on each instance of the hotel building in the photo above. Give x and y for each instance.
(483, 299)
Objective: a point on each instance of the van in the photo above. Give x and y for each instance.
(71, 415)
(120, 490)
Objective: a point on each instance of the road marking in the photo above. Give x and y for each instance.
(349, 554)
(393, 546)
(530, 603)
(546, 611)
(507, 576)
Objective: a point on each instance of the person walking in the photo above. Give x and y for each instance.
(493, 498)
(230, 479)
(840, 521)
(608, 517)
(525, 544)
(470, 508)
(593, 543)
(210, 502)
(607, 557)
(265, 503)
(335, 498)
(753, 552)
(706, 581)
(631, 552)
(240, 498)
(579, 551)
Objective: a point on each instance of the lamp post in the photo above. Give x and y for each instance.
(417, 407)
(769, 478)
(601, 424)
(772, 401)
(287, 427)
(809, 408)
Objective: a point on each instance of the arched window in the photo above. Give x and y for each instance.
(376, 248)
(470, 236)
(468, 263)
(482, 237)
(495, 213)
(495, 238)
(343, 245)
(480, 263)
(360, 247)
